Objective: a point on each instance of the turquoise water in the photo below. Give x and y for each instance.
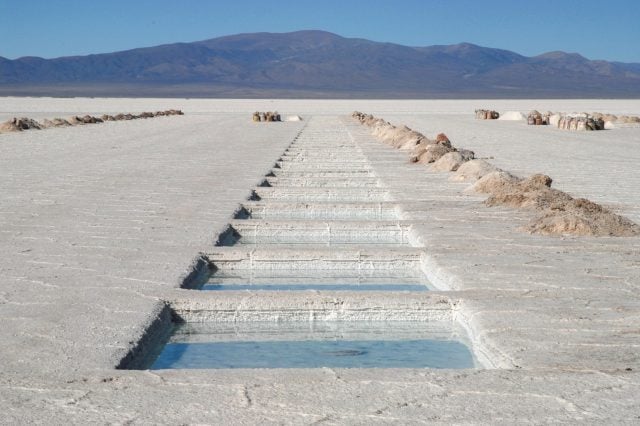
(316, 354)
(325, 287)
(283, 280)
(315, 345)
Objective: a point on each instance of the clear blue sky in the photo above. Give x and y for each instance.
(597, 29)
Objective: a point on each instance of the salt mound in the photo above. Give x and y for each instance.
(428, 151)
(442, 138)
(405, 138)
(9, 126)
(411, 143)
(494, 182)
(432, 153)
(585, 218)
(449, 162)
(384, 131)
(423, 150)
(513, 116)
(561, 213)
(56, 122)
(24, 123)
(19, 124)
(533, 192)
(293, 118)
(417, 150)
(473, 170)
(467, 154)
(625, 119)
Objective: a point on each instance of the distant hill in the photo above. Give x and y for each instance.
(319, 64)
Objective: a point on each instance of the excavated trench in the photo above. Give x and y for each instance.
(317, 269)
(322, 222)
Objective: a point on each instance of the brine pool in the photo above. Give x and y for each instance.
(316, 345)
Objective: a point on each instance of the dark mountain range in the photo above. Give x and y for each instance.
(319, 64)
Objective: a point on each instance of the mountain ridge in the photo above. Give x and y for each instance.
(299, 63)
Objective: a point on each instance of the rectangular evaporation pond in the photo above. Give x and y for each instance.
(298, 283)
(320, 287)
(316, 345)
(318, 211)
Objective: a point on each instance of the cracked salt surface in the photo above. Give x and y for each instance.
(311, 345)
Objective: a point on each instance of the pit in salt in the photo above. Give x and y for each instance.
(316, 345)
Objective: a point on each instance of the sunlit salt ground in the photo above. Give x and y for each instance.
(48, 107)
(316, 345)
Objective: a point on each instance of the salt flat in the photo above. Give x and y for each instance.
(100, 223)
